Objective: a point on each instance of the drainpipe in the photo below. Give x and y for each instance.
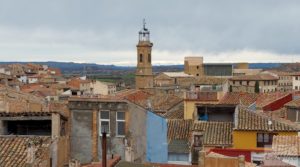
(104, 149)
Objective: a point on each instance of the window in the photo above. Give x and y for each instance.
(240, 82)
(265, 139)
(198, 140)
(296, 78)
(104, 122)
(120, 124)
(141, 58)
(184, 157)
(149, 58)
(296, 87)
(197, 67)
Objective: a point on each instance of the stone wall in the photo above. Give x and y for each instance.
(85, 139)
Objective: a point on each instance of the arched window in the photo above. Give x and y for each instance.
(149, 58)
(141, 58)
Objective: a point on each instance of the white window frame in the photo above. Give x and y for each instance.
(120, 120)
(107, 120)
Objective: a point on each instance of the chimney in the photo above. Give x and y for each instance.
(241, 159)
(104, 149)
(201, 159)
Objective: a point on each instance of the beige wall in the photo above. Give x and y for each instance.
(193, 66)
(103, 88)
(249, 86)
(144, 81)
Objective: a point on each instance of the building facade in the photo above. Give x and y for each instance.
(193, 66)
(262, 83)
(127, 126)
(296, 81)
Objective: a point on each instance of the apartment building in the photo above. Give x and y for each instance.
(261, 83)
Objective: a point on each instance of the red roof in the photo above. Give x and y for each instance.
(234, 98)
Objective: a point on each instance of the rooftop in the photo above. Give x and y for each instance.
(206, 80)
(258, 77)
(215, 133)
(177, 74)
(257, 121)
(286, 145)
(157, 102)
(234, 98)
(267, 98)
(14, 149)
(294, 103)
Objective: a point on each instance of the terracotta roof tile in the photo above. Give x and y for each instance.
(266, 98)
(179, 129)
(294, 103)
(259, 77)
(286, 145)
(13, 150)
(175, 114)
(215, 133)
(234, 98)
(257, 121)
(210, 81)
(159, 102)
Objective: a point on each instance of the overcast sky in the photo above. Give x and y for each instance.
(106, 32)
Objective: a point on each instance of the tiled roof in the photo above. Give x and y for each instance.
(279, 73)
(157, 102)
(295, 103)
(177, 74)
(179, 146)
(259, 77)
(206, 80)
(266, 98)
(13, 150)
(179, 129)
(176, 113)
(280, 113)
(15, 103)
(286, 145)
(271, 160)
(234, 98)
(215, 133)
(251, 120)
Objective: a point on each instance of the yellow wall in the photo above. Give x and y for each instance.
(189, 108)
(247, 139)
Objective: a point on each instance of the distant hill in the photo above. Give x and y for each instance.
(71, 67)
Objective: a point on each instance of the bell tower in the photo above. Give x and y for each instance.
(143, 74)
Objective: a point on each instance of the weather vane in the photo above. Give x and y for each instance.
(144, 24)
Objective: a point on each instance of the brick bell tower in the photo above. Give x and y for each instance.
(143, 74)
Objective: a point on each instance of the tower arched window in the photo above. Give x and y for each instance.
(149, 58)
(141, 57)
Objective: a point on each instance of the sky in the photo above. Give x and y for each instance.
(106, 31)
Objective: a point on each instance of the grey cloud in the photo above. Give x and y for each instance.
(176, 25)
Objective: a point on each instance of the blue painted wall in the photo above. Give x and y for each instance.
(157, 146)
